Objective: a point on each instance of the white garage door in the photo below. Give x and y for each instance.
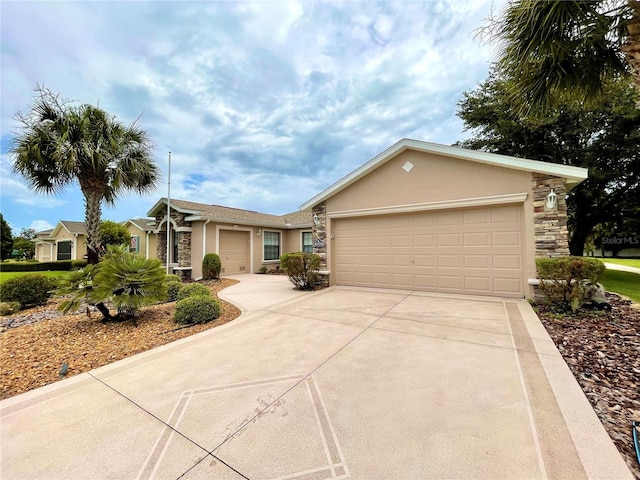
(234, 251)
(473, 251)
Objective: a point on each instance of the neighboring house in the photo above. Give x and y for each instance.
(143, 236)
(67, 241)
(45, 245)
(245, 240)
(422, 216)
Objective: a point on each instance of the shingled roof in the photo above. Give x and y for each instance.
(203, 211)
(145, 224)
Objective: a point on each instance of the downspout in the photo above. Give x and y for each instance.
(204, 241)
(146, 245)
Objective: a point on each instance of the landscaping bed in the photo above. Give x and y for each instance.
(602, 349)
(37, 342)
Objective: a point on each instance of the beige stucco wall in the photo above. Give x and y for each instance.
(79, 242)
(145, 238)
(434, 178)
(291, 241)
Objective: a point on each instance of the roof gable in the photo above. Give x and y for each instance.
(76, 228)
(572, 175)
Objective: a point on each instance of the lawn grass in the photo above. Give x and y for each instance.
(4, 276)
(629, 262)
(624, 283)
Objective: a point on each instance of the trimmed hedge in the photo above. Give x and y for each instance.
(193, 290)
(197, 309)
(566, 281)
(27, 290)
(211, 266)
(60, 266)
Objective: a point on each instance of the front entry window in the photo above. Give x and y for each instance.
(271, 245)
(307, 242)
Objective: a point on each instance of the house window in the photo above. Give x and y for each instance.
(307, 242)
(64, 251)
(134, 246)
(271, 245)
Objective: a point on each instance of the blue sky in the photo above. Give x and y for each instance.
(263, 105)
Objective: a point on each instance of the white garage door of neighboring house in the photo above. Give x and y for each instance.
(473, 251)
(234, 251)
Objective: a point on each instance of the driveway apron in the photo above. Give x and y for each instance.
(339, 383)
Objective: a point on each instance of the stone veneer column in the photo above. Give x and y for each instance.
(320, 234)
(184, 249)
(550, 226)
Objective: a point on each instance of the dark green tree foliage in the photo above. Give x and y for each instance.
(25, 246)
(211, 266)
(604, 138)
(552, 48)
(113, 233)
(6, 239)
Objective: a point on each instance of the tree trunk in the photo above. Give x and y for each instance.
(93, 212)
(577, 241)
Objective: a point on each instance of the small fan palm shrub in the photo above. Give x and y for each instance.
(126, 280)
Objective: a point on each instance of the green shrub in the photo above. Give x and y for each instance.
(197, 309)
(27, 290)
(78, 264)
(193, 290)
(263, 269)
(211, 266)
(174, 284)
(8, 308)
(565, 282)
(62, 265)
(302, 269)
(172, 277)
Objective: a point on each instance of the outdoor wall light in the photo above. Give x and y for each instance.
(552, 199)
(259, 232)
(316, 219)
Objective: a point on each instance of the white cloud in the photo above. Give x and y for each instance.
(40, 225)
(262, 104)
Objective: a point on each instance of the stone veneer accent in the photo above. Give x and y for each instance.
(184, 242)
(550, 226)
(319, 236)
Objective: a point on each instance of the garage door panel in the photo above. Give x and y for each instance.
(449, 240)
(477, 261)
(505, 239)
(234, 251)
(509, 262)
(478, 285)
(476, 239)
(475, 251)
(507, 286)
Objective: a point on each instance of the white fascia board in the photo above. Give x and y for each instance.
(573, 175)
(283, 226)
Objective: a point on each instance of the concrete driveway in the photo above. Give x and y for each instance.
(340, 383)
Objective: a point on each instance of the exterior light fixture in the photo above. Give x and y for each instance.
(316, 219)
(259, 232)
(552, 199)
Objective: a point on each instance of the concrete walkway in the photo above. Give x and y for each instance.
(340, 383)
(623, 268)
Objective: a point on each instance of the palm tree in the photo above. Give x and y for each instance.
(60, 143)
(554, 48)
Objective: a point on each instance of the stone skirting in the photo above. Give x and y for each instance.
(550, 225)
(320, 234)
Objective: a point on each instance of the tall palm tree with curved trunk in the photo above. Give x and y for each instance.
(59, 144)
(555, 48)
